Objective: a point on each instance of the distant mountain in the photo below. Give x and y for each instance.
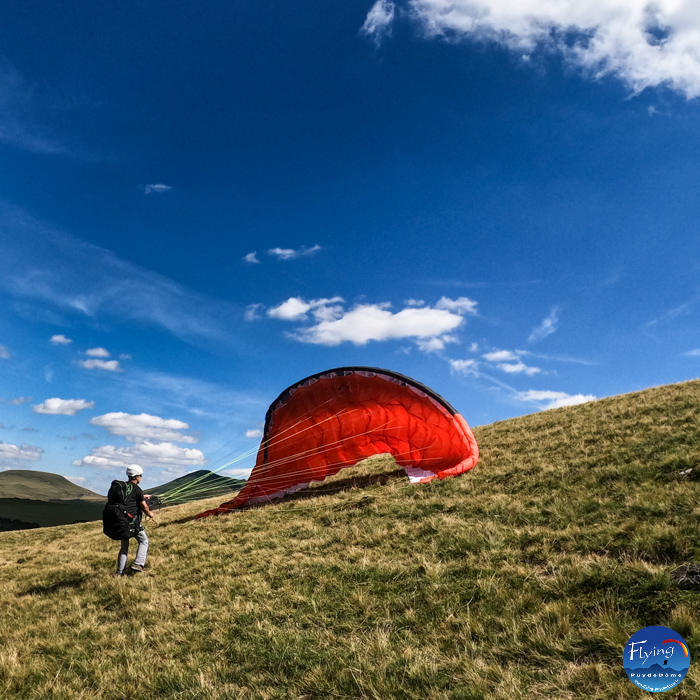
(40, 486)
(193, 487)
(38, 499)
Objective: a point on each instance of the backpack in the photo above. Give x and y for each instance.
(116, 522)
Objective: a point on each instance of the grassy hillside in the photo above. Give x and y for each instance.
(40, 486)
(30, 497)
(521, 579)
(194, 486)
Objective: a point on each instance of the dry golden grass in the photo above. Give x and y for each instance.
(523, 578)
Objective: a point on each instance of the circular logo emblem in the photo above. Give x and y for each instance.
(656, 659)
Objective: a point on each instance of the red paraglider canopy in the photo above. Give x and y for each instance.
(336, 418)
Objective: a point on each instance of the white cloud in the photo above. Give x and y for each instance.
(253, 433)
(63, 407)
(430, 327)
(518, 367)
(15, 455)
(291, 253)
(146, 454)
(156, 189)
(509, 362)
(644, 44)
(290, 310)
(463, 305)
(378, 21)
(4, 353)
(547, 327)
(435, 344)
(251, 257)
(296, 308)
(60, 340)
(414, 302)
(500, 356)
(553, 399)
(375, 322)
(464, 366)
(97, 352)
(138, 428)
(693, 353)
(79, 480)
(108, 366)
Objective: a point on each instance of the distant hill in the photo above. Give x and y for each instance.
(193, 487)
(38, 499)
(40, 486)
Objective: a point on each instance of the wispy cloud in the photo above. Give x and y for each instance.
(510, 362)
(292, 253)
(63, 407)
(4, 353)
(546, 400)
(252, 312)
(21, 113)
(252, 258)
(50, 268)
(97, 352)
(257, 433)
(60, 340)
(378, 21)
(156, 189)
(547, 327)
(643, 44)
(693, 353)
(18, 401)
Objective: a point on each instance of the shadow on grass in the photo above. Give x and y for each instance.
(74, 581)
(337, 486)
(319, 489)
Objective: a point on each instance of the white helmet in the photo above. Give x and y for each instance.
(134, 470)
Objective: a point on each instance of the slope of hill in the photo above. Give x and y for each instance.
(522, 579)
(195, 486)
(40, 486)
(32, 498)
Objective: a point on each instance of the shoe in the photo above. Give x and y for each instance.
(136, 567)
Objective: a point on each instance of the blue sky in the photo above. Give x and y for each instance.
(200, 205)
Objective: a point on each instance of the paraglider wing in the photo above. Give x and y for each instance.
(336, 418)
